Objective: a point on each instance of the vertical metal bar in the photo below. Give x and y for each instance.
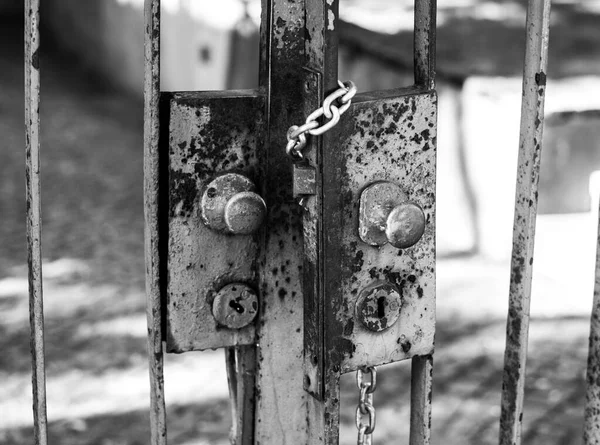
(591, 431)
(424, 42)
(34, 223)
(532, 117)
(246, 374)
(232, 384)
(420, 400)
(240, 364)
(158, 423)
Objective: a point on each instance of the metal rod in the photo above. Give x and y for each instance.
(232, 383)
(526, 198)
(158, 418)
(34, 223)
(591, 430)
(420, 400)
(424, 42)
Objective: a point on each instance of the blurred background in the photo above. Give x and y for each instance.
(92, 71)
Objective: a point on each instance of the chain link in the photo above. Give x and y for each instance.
(296, 134)
(365, 404)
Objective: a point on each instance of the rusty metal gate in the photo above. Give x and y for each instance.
(293, 225)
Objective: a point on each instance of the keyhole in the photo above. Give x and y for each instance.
(381, 307)
(236, 306)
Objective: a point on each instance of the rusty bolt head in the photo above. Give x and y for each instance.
(405, 225)
(230, 205)
(235, 306)
(245, 213)
(378, 306)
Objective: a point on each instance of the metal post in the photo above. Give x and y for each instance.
(158, 423)
(591, 432)
(424, 42)
(34, 223)
(420, 400)
(532, 117)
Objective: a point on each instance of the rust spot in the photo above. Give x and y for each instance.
(540, 78)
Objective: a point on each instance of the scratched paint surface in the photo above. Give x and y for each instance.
(210, 134)
(526, 200)
(392, 139)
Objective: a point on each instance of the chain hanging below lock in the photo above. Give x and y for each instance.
(365, 405)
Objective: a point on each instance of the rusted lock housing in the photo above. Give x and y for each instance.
(310, 271)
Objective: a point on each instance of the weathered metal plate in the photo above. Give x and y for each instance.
(380, 139)
(209, 134)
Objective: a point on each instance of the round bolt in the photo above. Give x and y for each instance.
(378, 306)
(230, 205)
(235, 306)
(405, 225)
(244, 213)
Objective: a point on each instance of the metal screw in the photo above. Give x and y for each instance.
(378, 306)
(235, 306)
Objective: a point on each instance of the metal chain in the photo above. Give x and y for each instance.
(296, 135)
(365, 404)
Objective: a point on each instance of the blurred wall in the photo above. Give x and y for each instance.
(108, 35)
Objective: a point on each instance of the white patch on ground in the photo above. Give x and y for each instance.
(190, 378)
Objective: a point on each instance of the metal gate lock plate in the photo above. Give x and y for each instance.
(378, 306)
(235, 306)
(387, 216)
(230, 205)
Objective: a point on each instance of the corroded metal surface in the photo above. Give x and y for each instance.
(378, 306)
(424, 42)
(245, 213)
(405, 225)
(305, 180)
(209, 134)
(34, 222)
(421, 384)
(282, 413)
(526, 198)
(152, 239)
(591, 432)
(383, 139)
(376, 202)
(235, 306)
(229, 205)
(241, 366)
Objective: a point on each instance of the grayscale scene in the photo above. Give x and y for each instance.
(299, 222)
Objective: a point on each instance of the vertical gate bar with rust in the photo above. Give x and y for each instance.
(34, 223)
(526, 198)
(424, 42)
(591, 431)
(158, 424)
(420, 400)
(284, 410)
(422, 367)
